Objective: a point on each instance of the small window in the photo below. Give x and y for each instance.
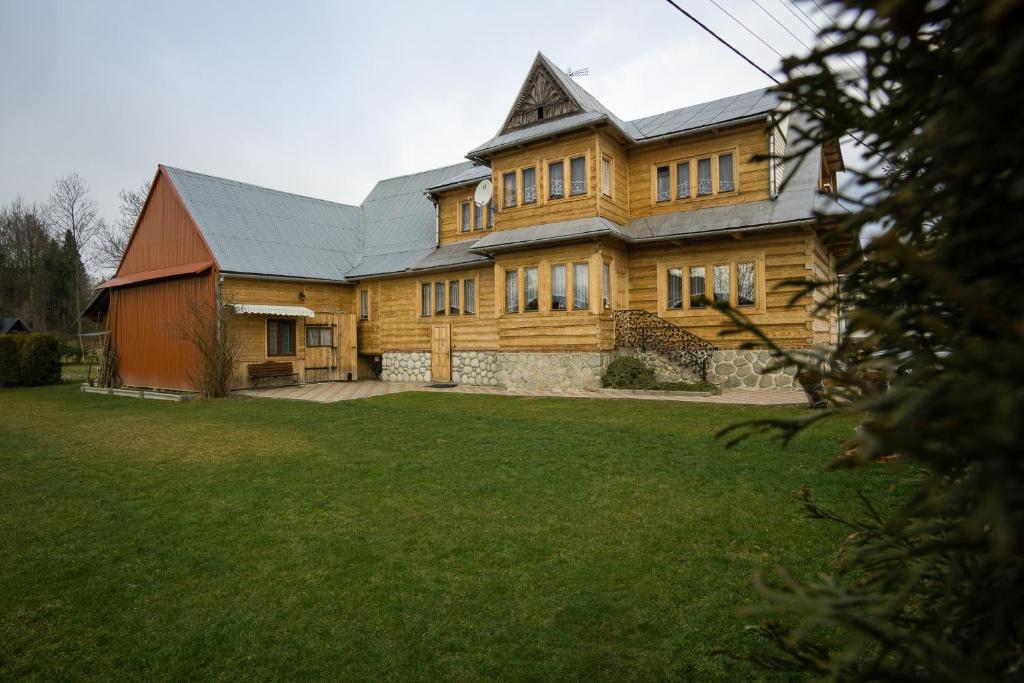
(280, 337)
(425, 299)
(580, 286)
(439, 304)
(683, 180)
(745, 284)
(606, 176)
(530, 292)
(578, 176)
(725, 180)
(511, 291)
(490, 214)
(663, 184)
(606, 286)
(453, 297)
(721, 278)
(478, 217)
(529, 185)
(469, 298)
(703, 177)
(509, 189)
(364, 305)
(540, 113)
(319, 335)
(698, 290)
(675, 288)
(556, 180)
(558, 286)
(464, 218)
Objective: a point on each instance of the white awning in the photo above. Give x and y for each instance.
(261, 309)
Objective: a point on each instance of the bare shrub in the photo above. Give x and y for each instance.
(207, 328)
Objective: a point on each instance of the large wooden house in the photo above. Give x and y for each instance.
(602, 237)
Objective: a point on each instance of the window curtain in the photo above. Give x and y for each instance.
(697, 287)
(469, 304)
(439, 298)
(663, 180)
(578, 175)
(509, 191)
(606, 177)
(530, 300)
(425, 298)
(512, 291)
(704, 176)
(529, 185)
(580, 286)
(556, 176)
(725, 181)
(478, 217)
(683, 180)
(558, 288)
(606, 286)
(453, 297)
(675, 287)
(465, 217)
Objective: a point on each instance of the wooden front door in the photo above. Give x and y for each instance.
(441, 353)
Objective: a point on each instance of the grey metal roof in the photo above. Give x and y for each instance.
(9, 324)
(446, 256)
(535, 132)
(706, 114)
(561, 231)
(253, 229)
(472, 175)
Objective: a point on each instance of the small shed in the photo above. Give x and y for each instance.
(11, 324)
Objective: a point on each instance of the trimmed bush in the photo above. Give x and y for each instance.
(628, 373)
(10, 360)
(40, 360)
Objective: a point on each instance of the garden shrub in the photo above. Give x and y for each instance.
(10, 360)
(628, 373)
(40, 360)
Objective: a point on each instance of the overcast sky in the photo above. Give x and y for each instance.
(325, 98)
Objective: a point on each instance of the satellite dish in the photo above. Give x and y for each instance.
(484, 192)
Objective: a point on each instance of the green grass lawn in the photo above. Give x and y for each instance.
(415, 536)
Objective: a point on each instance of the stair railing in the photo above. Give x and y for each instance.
(646, 331)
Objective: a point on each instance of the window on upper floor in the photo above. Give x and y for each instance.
(490, 214)
(606, 176)
(364, 304)
(725, 173)
(478, 217)
(529, 185)
(703, 177)
(578, 175)
(662, 180)
(531, 301)
(464, 223)
(556, 180)
(508, 191)
(683, 180)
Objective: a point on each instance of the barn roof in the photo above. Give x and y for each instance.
(12, 324)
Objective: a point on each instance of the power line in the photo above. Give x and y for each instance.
(786, 28)
(818, 30)
(723, 41)
(747, 29)
(809, 23)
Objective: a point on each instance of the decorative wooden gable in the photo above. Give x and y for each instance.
(541, 98)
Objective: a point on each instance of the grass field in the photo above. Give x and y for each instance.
(415, 536)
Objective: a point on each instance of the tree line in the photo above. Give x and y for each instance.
(50, 254)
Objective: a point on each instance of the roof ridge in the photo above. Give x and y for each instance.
(429, 170)
(258, 187)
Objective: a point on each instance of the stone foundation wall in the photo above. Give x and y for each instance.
(728, 368)
(476, 368)
(413, 366)
(552, 371)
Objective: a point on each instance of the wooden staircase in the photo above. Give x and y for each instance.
(648, 332)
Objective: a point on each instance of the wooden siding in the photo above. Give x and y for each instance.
(780, 256)
(166, 234)
(147, 324)
(616, 207)
(449, 204)
(329, 301)
(751, 176)
(546, 210)
(401, 327)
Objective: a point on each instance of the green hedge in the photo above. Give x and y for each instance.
(628, 373)
(29, 360)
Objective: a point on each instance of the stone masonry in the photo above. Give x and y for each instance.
(405, 367)
(728, 368)
(476, 368)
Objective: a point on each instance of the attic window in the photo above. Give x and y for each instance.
(540, 113)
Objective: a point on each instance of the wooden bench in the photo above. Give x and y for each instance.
(272, 369)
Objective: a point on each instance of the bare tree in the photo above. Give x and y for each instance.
(72, 210)
(113, 239)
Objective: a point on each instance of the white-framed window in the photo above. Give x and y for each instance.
(531, 289)
(559, 283)
(319, 335)
(469, 297)
(577, 175)
(580, 286)
(364, 304)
